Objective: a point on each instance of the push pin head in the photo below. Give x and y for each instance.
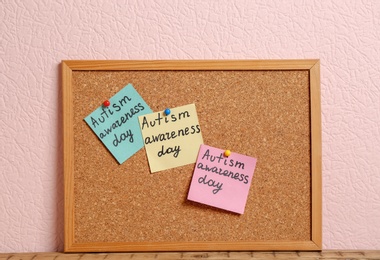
(167, 112)
(227, 153)
(106, 103)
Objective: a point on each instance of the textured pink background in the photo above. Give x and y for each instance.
(36, 35)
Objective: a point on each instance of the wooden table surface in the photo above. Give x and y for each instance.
(199, 255)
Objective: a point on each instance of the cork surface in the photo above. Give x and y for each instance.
(330, 255)
(263, 114)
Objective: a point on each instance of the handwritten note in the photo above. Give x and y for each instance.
(171, 140)
(117, 125)
(220, 181)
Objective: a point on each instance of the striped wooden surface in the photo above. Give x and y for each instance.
(200, 255)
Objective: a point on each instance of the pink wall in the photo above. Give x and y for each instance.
(36, 35)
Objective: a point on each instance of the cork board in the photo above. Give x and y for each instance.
(269, 110)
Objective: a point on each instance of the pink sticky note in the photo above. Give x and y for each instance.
(221, 181)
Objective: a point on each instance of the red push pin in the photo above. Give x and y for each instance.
(106, 103)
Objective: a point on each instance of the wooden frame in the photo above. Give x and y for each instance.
(315, 242)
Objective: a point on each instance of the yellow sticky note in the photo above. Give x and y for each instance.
(171, 140)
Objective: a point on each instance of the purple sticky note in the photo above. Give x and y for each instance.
(221, 181)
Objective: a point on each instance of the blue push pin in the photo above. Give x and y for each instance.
(167, 111)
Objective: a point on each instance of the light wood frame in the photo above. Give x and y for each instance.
(313, 66)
